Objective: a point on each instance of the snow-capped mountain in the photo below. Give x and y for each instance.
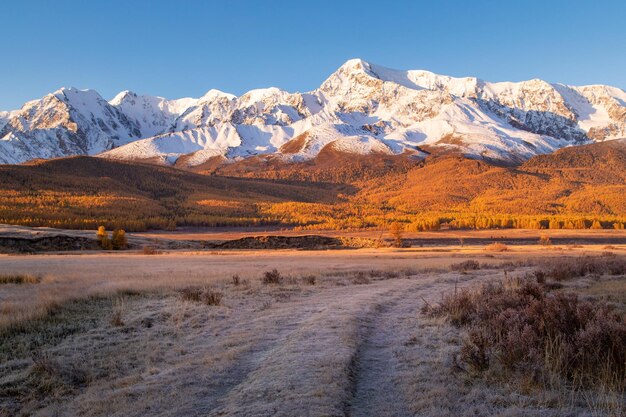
(361, 108)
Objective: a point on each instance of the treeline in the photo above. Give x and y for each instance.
(140, 225)
(307, 216)
(136, 213)
(304, 216)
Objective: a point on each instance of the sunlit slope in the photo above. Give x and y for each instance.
(81, 192)
(573, 187)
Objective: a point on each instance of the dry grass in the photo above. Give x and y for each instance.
(312, 338)
(206, 296)
(469, 265)
(309, 279)
(360, 278)
(612, 291)
(569, 268)
(497, 247)
(69, 278)
(117, 313)
(19, 279)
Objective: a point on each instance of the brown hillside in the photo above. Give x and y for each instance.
(571, 188)
(328, 166)
(79, 192)
(587, 179)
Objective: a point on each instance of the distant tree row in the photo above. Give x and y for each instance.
(135, 214)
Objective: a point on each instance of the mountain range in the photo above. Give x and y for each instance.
(362, 108)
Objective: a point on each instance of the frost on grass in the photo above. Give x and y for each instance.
(521, 331)
(345, 342)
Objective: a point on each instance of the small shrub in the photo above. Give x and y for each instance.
(272, 277)
(469, 265)
(497, 247)
(236, 280)
(117, 313)
(360, 278)
(475, 350)
(545, 240)
(212, 298)
(515, 329)
(391, 274)
(457, 307)
(202, 295)
(309, 279)
(540, 276)
(150, 250)
(395, 229)
(19, 279)
(191, 294)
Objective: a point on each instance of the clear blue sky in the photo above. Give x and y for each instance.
(184, 48)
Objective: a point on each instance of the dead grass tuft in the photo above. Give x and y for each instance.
(469, 265)
(52, 377)
(236, 280)
(117, 313)
(309, 279)
(150, 250)
(360, 278)
(202, 295)
(19, 279)
(272, 277)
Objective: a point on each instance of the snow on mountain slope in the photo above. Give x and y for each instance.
(171, 145)
(4, 117)
(360, 108)
(152, 115)
(66, 122)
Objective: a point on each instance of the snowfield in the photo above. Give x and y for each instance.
(361, 108)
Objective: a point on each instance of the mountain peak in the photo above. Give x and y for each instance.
(213, 93)
(122, 96)
(356, 65)
(363, 72)
(259, 94)
(73, 93)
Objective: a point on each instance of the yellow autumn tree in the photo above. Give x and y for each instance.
(119, 240)
(396, 232)
(103, 238)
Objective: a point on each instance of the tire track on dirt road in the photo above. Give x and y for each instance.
(377, 387)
